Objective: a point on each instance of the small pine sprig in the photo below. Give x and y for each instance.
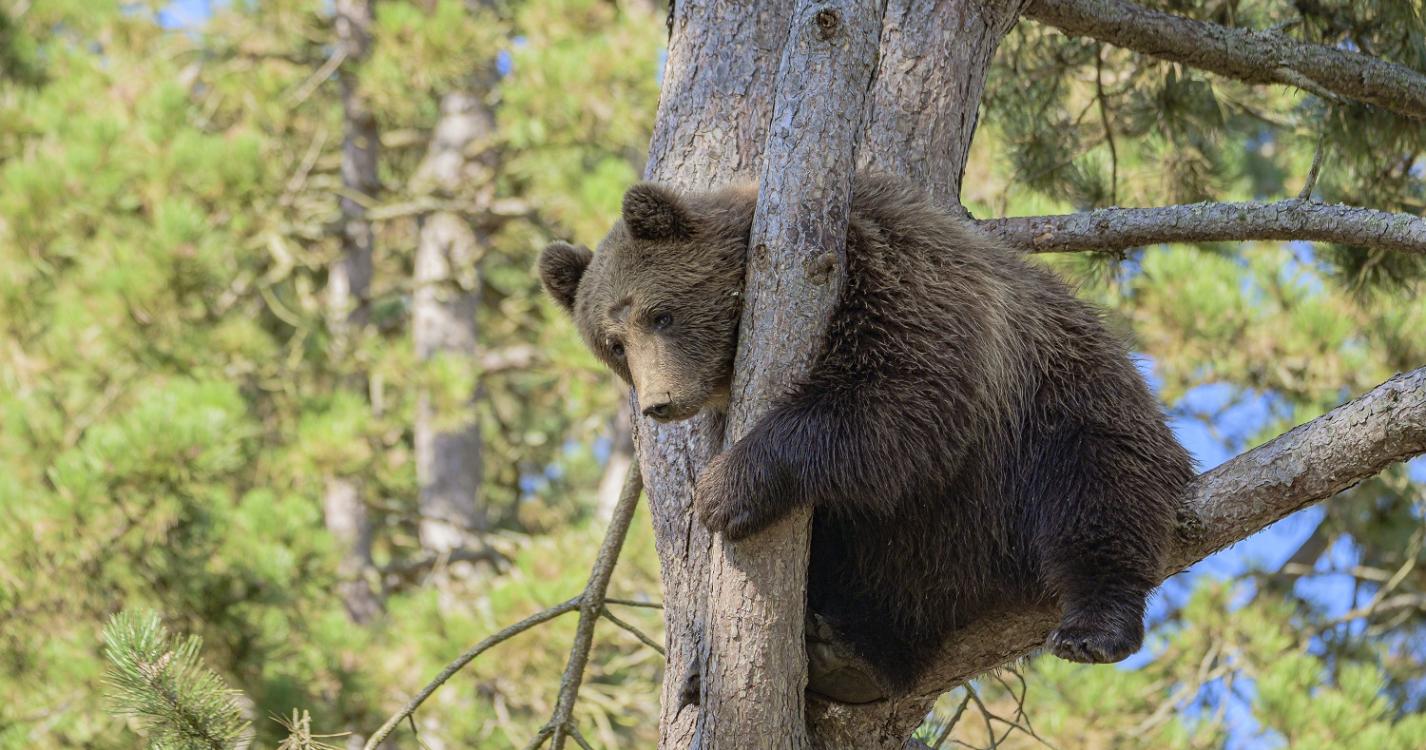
(182, 704)
(299, 733)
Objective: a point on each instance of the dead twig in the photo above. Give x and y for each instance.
(317, 78)
(1312, 173)
(591, 605)
(951, 724)
(464, 659)
(632, 630)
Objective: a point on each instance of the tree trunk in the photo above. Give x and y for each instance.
(711, 129)
(448, 447)
(754, 671)
(348, 289)
(926, 100)
(714, 111)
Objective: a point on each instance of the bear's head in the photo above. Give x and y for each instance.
(660, 300)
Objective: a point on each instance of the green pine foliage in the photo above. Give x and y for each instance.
(181, 704)
(169, 406)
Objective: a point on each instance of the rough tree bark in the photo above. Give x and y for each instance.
(1110, 229)
(926, 96)
(448, 447)
(1252, 56)
(795, 269)
(711, 128)
(348, 288)
(712, 117)
(712, 114)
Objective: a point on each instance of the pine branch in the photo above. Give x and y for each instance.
(183, 704)
(1251, 56)
(1110, 229)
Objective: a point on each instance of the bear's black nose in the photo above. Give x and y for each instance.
(660, 410)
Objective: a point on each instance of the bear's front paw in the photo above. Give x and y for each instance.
(1096, 642)
(727, 501)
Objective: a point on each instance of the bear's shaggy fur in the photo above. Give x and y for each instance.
(971, 437)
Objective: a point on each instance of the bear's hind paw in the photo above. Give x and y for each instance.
(1103, 644)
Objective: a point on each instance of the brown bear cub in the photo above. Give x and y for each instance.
(971, 438)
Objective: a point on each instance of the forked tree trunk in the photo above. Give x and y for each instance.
(711, 129)
(713, 119)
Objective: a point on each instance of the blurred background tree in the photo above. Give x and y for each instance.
(223, 223)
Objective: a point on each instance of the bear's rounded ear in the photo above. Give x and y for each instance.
(653, 212)
(561, 267)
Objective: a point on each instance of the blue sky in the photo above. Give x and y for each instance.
(186, 14)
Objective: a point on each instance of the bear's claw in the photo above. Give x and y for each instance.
(726, 501)
(1093, 645)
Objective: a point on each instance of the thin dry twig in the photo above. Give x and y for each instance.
(1104, 118)
(591, 604)
(317, 78)
(1312, 173)
(579, 738)
(633, 603)
(540, 737)
(464, 659)
(951, 724)
(647, 641)
(984, 714)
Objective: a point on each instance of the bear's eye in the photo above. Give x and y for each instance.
(617, 349)
(662, 321)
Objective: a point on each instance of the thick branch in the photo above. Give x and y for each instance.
(1123, 228)
(1251, 56)
(1310, 463)
(1239, 498)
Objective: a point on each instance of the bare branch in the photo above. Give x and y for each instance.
(1251, 56)
(951, 723)
(632, 630)
(1306, 465)
(1111, 229)
(633, 603)
(1317, 155)
(409, 569)
(516, 357)
(464, 659)
(591, 605)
